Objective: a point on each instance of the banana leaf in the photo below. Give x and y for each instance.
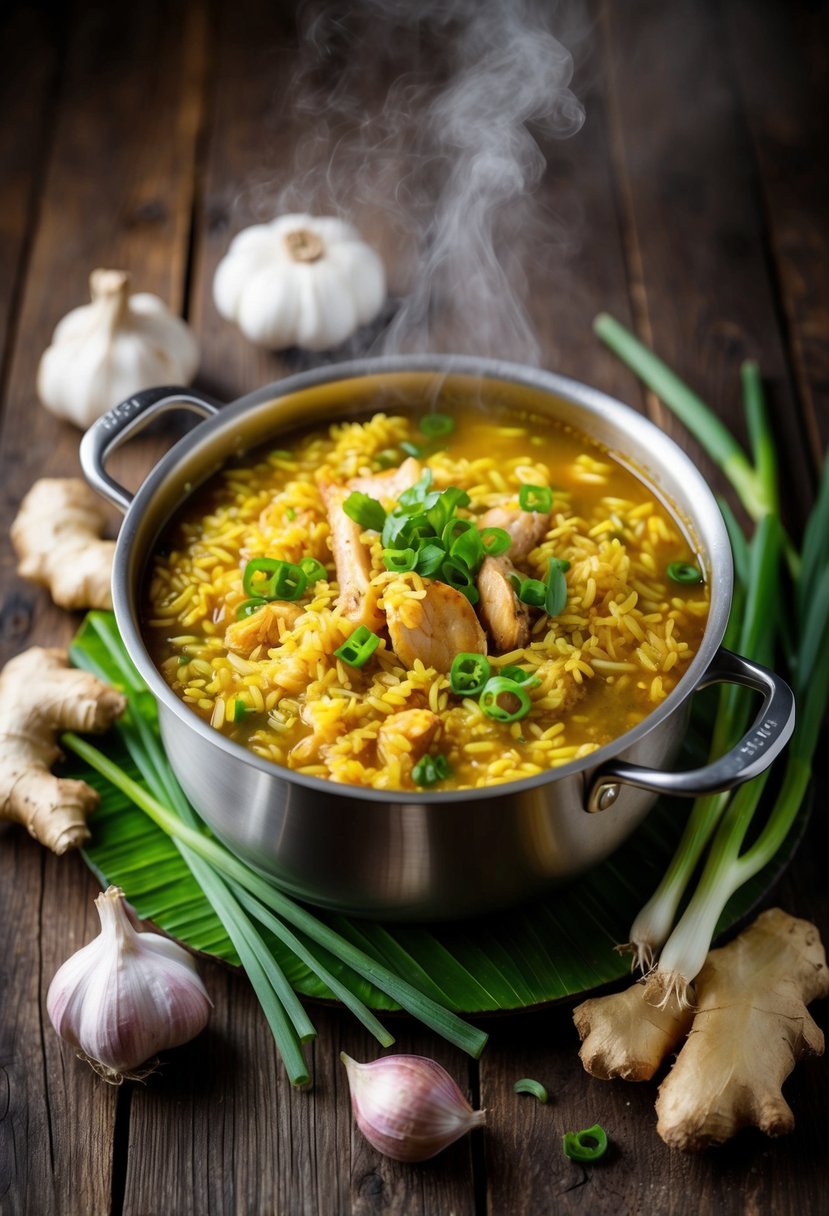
(556, 948)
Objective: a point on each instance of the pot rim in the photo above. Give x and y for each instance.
(706, 518)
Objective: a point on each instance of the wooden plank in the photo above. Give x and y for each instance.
(781, 64)
(117, 190)
(694, 221)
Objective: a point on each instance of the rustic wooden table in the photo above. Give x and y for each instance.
(692, 206)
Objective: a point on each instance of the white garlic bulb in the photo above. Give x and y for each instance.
(299, 281)
(408, 1107)
(126, 995)
(119, 344)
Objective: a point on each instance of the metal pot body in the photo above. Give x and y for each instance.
(426, 855)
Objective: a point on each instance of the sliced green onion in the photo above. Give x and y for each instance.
(454, 529)
(555, 600)
(312, 569)
(684, 572)
(240, 711)
(498, 687)
(434, 425)
(469, 549)
(529, 590)
(290, 514)
(458, 576)
(389, 458)
(528, 1086)
(415, 496)
(281, 581)
(365, 510)
(446, 506)
(400, 560)
(535, 498)
(469, 673)
(495, 540)
(431, 769)
(358, 649)
(430, 557)
(521, 676)
(411, 449)
(589, 1145)
(245, 609)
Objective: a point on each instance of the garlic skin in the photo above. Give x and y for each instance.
(103, 352)
(300, 280)
(126, 995)
(408, 1107)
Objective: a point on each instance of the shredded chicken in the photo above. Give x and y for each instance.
(407, 736)
(526, 528)
(389, 486)
(505, 618)
(263, 628)
(435, 628)
(357, 599)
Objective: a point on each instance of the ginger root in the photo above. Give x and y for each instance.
(626, 1036)
(750, 1028)
(57, 536)
(41, 695)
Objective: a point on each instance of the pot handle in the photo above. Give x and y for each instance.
(762, 743)
(115, 427)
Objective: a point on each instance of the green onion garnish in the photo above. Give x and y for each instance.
(555, 599)
(529, 590)
(454, 529)
(415, 496)
(248, 608)
(495, 540)
(240, 711)
(411, 449)
(501, 686)
(430, 557)
(431, 769)
(458, 575)
(446, 506)
(528, 1086)
(684, 572)
(468, 548)
(389, 458)
(277, 580)
(589, 1145)
(434, 425)
(521, 676)
(535, 498)
(358, 649)
(312, 569)
(400, 560)
(469, 673)
(365, 510)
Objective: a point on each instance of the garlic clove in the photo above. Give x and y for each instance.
(408, 1107)
(126, 995)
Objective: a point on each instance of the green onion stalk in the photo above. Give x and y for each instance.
(719, 823)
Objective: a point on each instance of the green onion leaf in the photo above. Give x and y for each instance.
(312, 569)
(469, 548)
(684, 572)
(240, 711)
(555, 600)
(446, 506)
(400, 560)
(415, 496)
(458, 576)
(535, 498)
(431, 769)
(430, 557)
(271, 579)
(435, 425)
(496, 541)
(589, 1145)
(412, 449)
(499, 689)
(521, 676)
(358, 649)
(529, 590)
(365, 510)
(528, 1086)
(455, 528)
(469, 673)
(245, 609)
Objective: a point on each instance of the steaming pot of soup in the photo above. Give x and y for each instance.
(423, 632)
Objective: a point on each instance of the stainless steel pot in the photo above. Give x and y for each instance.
(427, 855)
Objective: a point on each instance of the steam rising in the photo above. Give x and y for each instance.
(431, 144)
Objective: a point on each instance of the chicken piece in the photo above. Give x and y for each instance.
(436, 628)
(262, 628)
(357, 598)
(526, 528)
(390, 485)
(406, 737)
(505, 618)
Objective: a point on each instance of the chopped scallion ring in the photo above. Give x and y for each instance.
(458, 576)
(520, 676)
(469, 673)
(365, 510)
(400, 560)
(411, 449)
(588, 1145)
(271, 579)
(431, 769)
(430, 557)
(358, 649)
(312, 569)
(684, 572)
(528, 1086)
(435, 425)
(468, 548)
(529, 590)
(535, 498)
(248, 608)
(499, 687)
(495, 540)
